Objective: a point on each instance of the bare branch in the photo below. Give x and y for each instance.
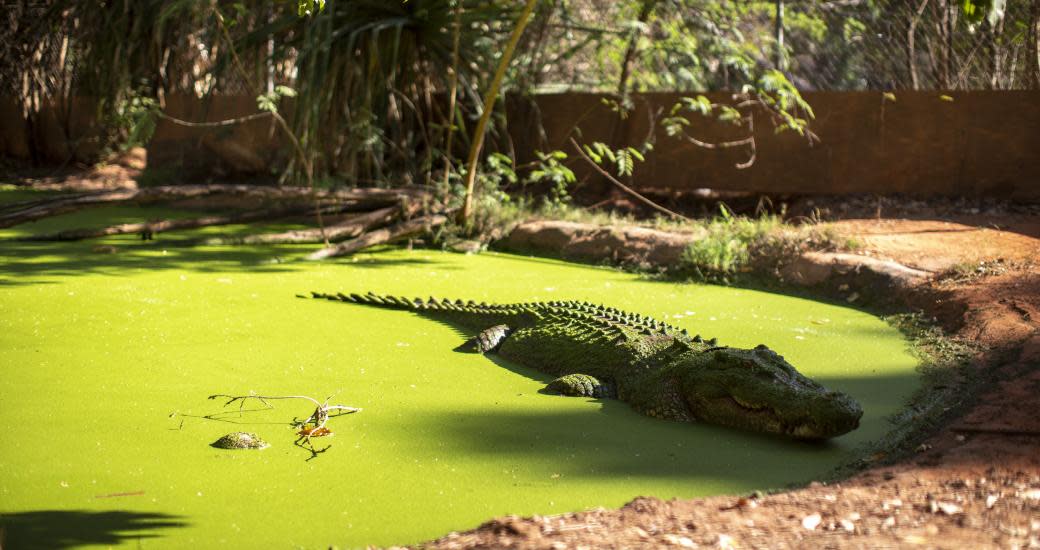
(627, 189)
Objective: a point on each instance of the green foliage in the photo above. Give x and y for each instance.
(727, 243)
(978, 10)
(306, 7)
(134, 118)
(731, 245)
(550, 167)
(269, 101)
(368, 72)
(776, 91)
(622, 160)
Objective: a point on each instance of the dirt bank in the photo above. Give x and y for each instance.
(973, 484)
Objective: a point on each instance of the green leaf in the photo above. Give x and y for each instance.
(306, 7)
(592, 154)
(977, 10)
(285, 91)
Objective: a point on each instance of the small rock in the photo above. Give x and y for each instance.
(848, 525)
(889, 522)
(1032, 494)
(991, 500)
(724, 541)
(811, 521)
(676, 540)
(892, 503)
(744, 502)
(947, 508)
(240, 440)
(641, 533)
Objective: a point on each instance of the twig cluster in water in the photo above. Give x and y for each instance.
(312, 426)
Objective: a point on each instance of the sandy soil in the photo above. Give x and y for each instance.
(938, 245)
(974, 484)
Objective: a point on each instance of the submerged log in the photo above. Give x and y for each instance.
(346, 229)
(381, 236)
(358, 199)
(147, 229)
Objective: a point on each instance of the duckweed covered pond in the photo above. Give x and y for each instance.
(107, 361)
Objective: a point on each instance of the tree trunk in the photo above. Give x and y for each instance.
(911, 51)
(489, 105)
(1033, 63)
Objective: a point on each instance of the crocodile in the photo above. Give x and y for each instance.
(658, 369)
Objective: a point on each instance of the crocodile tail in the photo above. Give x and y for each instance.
(470, 314)
(372, 299)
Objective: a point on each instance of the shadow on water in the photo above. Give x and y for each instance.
(53, 529)
(612, 441)
(24, 263)
(38, 262)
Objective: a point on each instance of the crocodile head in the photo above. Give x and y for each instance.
(756, 389)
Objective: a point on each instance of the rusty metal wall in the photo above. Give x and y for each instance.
(927, 143)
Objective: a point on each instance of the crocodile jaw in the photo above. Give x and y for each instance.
(824, 416)
(758, 390)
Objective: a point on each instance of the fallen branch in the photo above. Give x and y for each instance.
(382, 236)
(147, 229)
(347, 229)
(361, 199)
(319, 417)
(313, 426)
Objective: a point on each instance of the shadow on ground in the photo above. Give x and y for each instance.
(55, 529)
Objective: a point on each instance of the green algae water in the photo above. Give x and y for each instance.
(107, 360)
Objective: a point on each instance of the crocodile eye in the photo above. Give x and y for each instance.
(764, 374)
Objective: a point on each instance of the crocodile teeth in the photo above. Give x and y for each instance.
(803, 430)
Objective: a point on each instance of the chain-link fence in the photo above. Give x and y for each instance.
(658, 45)
(916, 45)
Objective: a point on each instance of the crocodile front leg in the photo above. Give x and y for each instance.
(581, 385)
(491, 338)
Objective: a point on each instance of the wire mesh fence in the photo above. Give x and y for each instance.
(917, 45)
(819, 44)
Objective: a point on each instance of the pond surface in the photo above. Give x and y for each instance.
(107, 361)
